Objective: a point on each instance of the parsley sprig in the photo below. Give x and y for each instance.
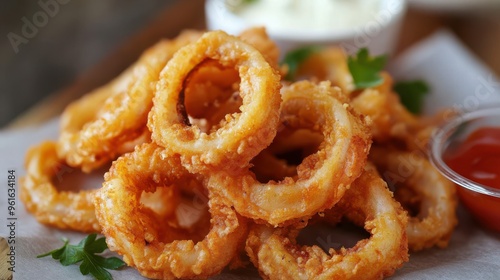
(365, 70)
(412, 94)
(85, 252)
(295, 58)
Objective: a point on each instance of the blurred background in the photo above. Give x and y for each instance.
(70, 47)
(74, 38)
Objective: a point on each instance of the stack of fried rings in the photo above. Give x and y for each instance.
(186, 154)
(222, 159)
(102, 125)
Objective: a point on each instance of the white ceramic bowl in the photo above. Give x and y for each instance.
(379, 34)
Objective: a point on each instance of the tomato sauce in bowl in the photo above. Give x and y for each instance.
(478, 159)
(467, 151)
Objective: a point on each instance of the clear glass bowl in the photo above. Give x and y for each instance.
(482, 201)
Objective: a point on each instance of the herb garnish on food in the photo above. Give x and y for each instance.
(412, 94)
(295, 57)
(365, 70)
(85, 252)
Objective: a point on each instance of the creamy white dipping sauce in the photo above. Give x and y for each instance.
(306, 15)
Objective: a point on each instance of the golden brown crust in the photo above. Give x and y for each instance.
(328, 172)
(62, 209)
(245, 134)
(368, 202)
(158, 249)
(436, 217)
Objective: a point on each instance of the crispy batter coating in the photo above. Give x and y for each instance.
(156, 248)
(368, 202)
(75, 209)
(245, 134)
(207, 146)
(62, 209)
(112, 119)
(418, 182)
(328, 172)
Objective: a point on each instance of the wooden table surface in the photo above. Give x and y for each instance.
(481, 34)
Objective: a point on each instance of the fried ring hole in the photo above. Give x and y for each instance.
(210, 92)
(289, 148)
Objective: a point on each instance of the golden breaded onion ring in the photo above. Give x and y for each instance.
(245, 134)
(137, 235)
(112, 119)
(322, 177)
(368, 202)
(62, 209)
(412, 172)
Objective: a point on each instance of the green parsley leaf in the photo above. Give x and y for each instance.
(365, 70)
(249, 1)
(295, 57)
(85, 252)
(57, 252)
(412, 94)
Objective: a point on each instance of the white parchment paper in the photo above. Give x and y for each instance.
(454, 76)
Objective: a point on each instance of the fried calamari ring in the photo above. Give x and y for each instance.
(65, 210)
(211, 90)
(99, 127)
(322, 177)
(75, 209)
(368, 202)
(245, 134)
(419, 185)
(137, 235)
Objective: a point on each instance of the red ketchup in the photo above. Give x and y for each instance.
(478, 159)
